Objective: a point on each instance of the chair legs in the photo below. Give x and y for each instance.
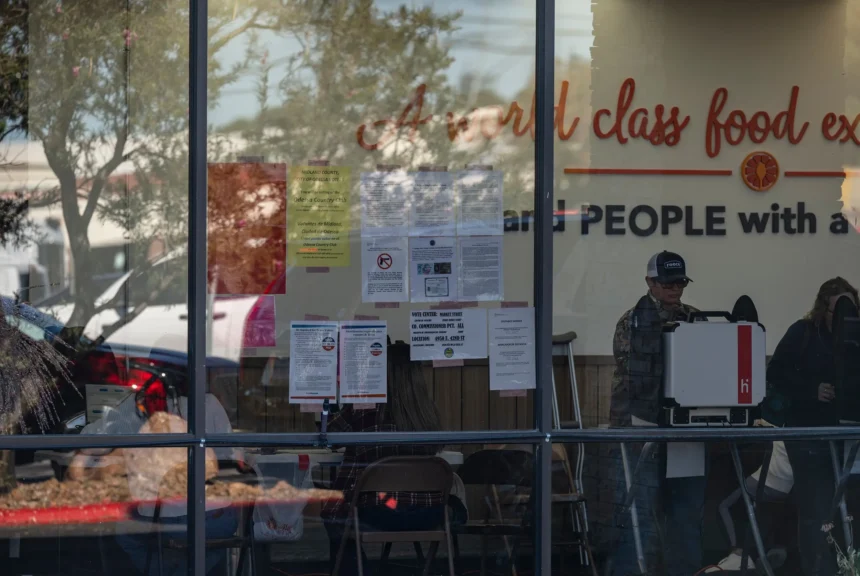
(583, 536)
(449, 544)
(358, 558)
(419, 553)
(383, 560)
(431, 554)
(341, 549)
(354, 532)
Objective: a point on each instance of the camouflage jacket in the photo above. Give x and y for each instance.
(637, 384)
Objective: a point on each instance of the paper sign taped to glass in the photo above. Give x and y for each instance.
(313, 362)
(318, 216)
(448, 334)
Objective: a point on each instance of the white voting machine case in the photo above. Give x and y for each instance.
(714, 372)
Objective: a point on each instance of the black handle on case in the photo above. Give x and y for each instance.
(704, 315)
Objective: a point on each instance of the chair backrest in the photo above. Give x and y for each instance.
(498, 467)
(407, 474)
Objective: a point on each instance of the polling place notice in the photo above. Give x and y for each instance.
(313, 362)
(318, 216)
(512, 349)
(448, 334)
(363, 362)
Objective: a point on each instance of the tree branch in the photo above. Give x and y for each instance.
(101, 177)
(249, 25)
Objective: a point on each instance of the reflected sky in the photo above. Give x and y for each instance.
(495, 42)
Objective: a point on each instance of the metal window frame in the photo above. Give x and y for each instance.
(543, 277)
(542, 436)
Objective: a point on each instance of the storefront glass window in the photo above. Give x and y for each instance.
(371, 181)
(94, 211)
(707, 267)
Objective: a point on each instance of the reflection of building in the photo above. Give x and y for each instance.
(49, 255)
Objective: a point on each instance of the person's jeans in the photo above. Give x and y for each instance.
(673, 506)
(379, 519)
(814, 487)
(221, 523)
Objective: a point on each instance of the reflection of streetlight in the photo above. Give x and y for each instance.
(851, 197)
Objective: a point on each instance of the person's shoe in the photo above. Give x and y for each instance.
(776, 557)
(731, 563)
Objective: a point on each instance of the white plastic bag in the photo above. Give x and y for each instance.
(282, 522)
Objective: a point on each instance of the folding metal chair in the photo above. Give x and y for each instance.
(401, 474)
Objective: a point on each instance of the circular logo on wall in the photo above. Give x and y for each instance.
(760, 171)
(449, 352)
(375, 349)
(328, 343)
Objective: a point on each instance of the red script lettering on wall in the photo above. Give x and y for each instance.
(758, 127)
(663, 130)
(657, 126)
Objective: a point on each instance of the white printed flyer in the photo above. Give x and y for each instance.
(433, 269)
(385, 203)
(481, 275)
(313, 362)
(512, 349)
(431, 208)
(363, 362)
(384, 270)
(448, 334)
(480, 200)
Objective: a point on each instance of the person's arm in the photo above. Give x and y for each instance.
(621, 351)
(621, 345)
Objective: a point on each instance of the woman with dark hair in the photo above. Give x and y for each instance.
(803, 371)
(409, 409)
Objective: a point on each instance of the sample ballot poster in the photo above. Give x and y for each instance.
(363, 362)
(480, 203)
(512, 349)
(313, 362)
(385, 270)
(448, 334)
(433, 269)
(431, 208)
(481, 275)
(318, 216)
(385, 203)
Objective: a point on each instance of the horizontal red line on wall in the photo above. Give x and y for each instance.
(820, 173)
(645, 172)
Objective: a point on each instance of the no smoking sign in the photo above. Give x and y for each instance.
(384, 261)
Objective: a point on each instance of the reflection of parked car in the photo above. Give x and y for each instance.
(105, 374)
(163, 324)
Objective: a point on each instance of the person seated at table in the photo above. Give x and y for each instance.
(409, 409)
(778, 485)
(158, 409)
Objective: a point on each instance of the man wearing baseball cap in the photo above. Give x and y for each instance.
(637, 397)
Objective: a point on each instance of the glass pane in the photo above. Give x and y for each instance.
(93, 512)
(94, 212)
(371, 162)
(690, 511)
(483, 490)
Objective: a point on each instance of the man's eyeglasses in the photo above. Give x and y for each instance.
(674, 284)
